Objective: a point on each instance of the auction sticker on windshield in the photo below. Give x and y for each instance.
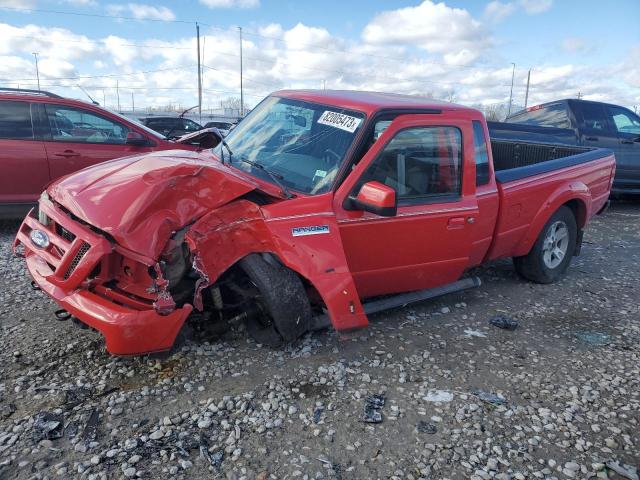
(339, 120)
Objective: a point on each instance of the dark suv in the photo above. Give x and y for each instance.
(171, 127)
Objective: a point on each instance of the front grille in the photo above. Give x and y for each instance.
(84, 248)
(64, 233)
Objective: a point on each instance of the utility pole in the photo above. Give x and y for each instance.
(513, 74)
(35, 54)
(241, 88)
(118, 95)
(133, 102)
(199, 73)
(104, 99)
(526, 95)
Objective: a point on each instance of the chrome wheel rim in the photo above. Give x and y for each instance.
(555, 245)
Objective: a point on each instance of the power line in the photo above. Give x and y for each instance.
(96, 15)
(112, 75)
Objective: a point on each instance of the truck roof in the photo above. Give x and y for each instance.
(369, 102)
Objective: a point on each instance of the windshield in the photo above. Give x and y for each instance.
(301, 143)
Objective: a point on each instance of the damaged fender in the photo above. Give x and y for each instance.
(223, 237)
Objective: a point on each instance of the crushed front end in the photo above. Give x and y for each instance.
(121, 294)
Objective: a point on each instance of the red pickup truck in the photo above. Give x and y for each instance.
(316, 204)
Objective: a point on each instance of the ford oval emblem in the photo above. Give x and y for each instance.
(39, 238)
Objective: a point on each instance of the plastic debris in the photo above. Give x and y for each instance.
(489, 397)
(469, 333)
(215, 458)
(438, 396)
(593, 338)
(371, 415)
(627, 471)
(47, 426)
(91, 427)
(503, 321)
(317, 414)
(426, 427)
(372, 406)
(376, 400)
(76, 395)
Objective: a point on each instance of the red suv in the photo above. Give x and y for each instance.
(44, 136)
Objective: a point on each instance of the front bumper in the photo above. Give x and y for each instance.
(127, 329)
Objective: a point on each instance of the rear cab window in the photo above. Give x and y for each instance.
(552, 115)
(481, 154)
(15, 121)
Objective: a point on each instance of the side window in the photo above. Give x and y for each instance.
(624, 121)
(15, 121)
(420, 162)
(481, 154)
(81, 126)
(593, 117)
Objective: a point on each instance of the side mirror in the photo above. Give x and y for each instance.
(378, 198)
(136, 139)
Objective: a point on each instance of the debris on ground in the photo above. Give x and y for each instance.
(470, 333)
(594, 338)
(76, 395)
(627, 471)
(438, 396)
(47, 426)
(372, 406)
(426, 427)
(317, 414)
(91, 427)
(503, 321)
(489, 397)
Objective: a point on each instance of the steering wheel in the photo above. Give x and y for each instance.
(328, 153)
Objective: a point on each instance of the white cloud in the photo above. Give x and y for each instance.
(434, 27)
(533, 7)
(142, 11)
(497, 11)
(231, 3)
(576, 45)
(18, 3)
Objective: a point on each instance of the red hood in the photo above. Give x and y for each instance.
(141, 200)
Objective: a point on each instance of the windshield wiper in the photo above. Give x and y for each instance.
(274, 176)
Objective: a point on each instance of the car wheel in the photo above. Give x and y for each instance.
(551, 254)
(284, 312)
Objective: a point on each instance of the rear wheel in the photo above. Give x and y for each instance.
(283, 309)
(551, 255)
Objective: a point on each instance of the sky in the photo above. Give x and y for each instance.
(456, 50)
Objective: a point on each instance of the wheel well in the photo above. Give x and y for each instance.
(579, 210)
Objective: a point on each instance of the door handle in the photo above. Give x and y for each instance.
(455, 223)
(591, 139)
(67, 154)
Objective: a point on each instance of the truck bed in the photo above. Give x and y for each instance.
(530, 176)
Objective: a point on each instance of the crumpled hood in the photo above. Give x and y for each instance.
(141, 200)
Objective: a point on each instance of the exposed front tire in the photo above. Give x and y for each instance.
(551, 254)
(283, 304)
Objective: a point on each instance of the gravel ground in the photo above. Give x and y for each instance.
(558, 397)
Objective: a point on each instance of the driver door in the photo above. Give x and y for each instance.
(428, 242)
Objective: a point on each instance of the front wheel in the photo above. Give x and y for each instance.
(551, 255)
